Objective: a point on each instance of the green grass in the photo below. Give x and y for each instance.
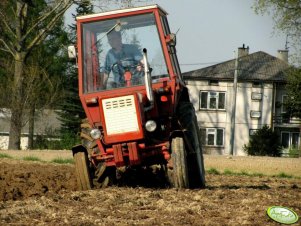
(228, 172)
(213, 171)
(63, 161)
(3, 155)
(245, 173)
(32, 158)
(283, 175)
(258, 174)
(37, 159)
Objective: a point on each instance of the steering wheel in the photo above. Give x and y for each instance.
(128, 65)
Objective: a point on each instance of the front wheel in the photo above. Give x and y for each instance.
(83, 176)
(178, 174)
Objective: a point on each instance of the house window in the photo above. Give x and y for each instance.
(257, 84)
(256, 96)
(255, 114)
(212, 136)
(252, 131)
(290, 139)
(212, 100)
(213, 82)
(283, 107)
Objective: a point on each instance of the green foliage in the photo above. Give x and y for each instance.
(265, 142)
(257, 174)
(32, 158)
(3, 155)
(283, 175)
(293, 87)
(65, 142)
(70, 111)
(63, 161)
(228, 172)
(213, 171)
(294, 153)
(286, 15)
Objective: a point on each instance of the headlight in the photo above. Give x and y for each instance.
(150, 125)
(95, 134)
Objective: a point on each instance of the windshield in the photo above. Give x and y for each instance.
(112, 53)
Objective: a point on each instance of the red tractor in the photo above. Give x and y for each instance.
(138, 110)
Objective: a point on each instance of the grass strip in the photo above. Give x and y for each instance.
(32, 158)
(245, 173)
(63, 161)
(3, 155)
(284, 175)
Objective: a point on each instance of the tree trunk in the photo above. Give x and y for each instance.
(31, 127)
(17, 104)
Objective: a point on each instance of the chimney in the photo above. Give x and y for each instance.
(283, 55)
(242, 51)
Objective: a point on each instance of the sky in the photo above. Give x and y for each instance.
(210, 31)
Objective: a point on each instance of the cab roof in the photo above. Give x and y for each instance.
(127, 10)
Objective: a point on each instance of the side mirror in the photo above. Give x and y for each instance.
(72, 52)
(171, 39)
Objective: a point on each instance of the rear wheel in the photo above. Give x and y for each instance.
(178, 175)
(83, 175)
(195, 161)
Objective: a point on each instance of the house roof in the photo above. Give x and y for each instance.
(258, 66)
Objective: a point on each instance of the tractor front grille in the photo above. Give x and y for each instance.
(120, 115)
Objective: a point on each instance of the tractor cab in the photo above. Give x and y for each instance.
(131, 89)
(111, 46)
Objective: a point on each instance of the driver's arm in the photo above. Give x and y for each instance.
(105, 77)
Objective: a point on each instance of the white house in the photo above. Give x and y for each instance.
(229, 111)
(46, 123)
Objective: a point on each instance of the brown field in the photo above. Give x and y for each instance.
(36, 193)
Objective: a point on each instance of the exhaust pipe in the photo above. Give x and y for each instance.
(148, 81)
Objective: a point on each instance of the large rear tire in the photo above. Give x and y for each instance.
(195, 161)
(178, 175)
(83, 176)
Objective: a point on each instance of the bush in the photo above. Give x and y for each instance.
(265, 142)
(65, 141)
(294, 153)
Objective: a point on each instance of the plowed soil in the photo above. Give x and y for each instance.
(45, 194)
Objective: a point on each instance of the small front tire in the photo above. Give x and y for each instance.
(178, 175)
(83, 175)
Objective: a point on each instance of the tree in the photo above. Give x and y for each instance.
(264, 142)
(293, 87)
(286, 15)
(71, 112)
(23, 32)
(46, 69)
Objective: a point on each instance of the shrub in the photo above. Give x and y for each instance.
(65, 141)
(294, 153)
(264, 142)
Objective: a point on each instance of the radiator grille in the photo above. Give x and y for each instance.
(120, 115)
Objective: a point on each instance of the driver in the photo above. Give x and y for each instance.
(121, 57)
